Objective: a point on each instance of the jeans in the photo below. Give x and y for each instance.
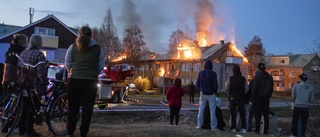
(249, 116)
(303, 115)
(261, 106)
(234, 104)
(212, 105)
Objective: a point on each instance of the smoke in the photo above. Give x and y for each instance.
(204, 15)
(130, 15)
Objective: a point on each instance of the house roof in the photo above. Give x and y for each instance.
(36, 22)
(206, 52)
(295, 61)
(5, 29)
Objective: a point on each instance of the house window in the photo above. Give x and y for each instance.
(280, 84)
(157, 66)
(186, 67)
(292, 74)
(196, 67)
(281, 61)
(44, 31)
(172, 66)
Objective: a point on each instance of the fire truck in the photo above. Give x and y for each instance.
(111, 87)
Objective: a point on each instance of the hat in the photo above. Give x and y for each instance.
(261, 67)
(303, 77)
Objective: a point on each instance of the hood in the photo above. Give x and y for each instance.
(236, 70)
(92, 42)
(208, 65)
(15, 48)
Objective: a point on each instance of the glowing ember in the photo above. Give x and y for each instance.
(201, 38)
(121, 57)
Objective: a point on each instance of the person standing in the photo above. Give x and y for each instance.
(302, 96)
(38, 78)
(208, 85)
(191, 93)
(10, 74)
(174, 96)
(237, 87)
(261, 94)
(84, 61)
(249, 108)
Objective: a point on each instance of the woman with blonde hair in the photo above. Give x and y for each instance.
(84, 62)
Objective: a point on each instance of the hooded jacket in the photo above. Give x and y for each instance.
(207, 80)
(262, 85)
(10, 73)
(302, 95)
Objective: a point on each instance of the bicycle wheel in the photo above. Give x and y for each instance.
(9, 111)
(58, 115)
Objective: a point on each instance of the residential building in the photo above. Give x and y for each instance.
(57, 37)
(285, 69)
(163, 68)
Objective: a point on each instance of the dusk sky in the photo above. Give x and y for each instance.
(283, 25)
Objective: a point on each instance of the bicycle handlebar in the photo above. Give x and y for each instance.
(29, 65)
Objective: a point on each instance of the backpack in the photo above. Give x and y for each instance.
(10, 57)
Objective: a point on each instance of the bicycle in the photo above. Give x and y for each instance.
(55, 108)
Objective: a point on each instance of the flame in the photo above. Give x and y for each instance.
(185, 48)
(121, 57)
(201, 38)
(239, 53)
(161, 73)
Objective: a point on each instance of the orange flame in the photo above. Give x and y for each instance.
(185, 48)
(121, 57)
(201, 38)
(161, 73)
(239, 53)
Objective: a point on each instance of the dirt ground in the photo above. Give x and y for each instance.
(155, 124)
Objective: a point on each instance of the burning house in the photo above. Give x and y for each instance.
(189, 61)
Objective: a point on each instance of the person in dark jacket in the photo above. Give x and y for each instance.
(191, 93)
(84, 61)
(174, 96)
(10, 74)
(261, 94)
(302, 96)
(208, 85)
(237, 87)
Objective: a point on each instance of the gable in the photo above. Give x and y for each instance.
(64, 36)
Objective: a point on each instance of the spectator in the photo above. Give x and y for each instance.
(174, 96)
(237, 86)
(261, 94)
(249, 108)
(10, 74)
(1, 77)
(302, 96)
(191, 93)
(208, 86)
(32, 55)
(84, 61)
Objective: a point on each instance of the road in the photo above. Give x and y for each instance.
(155, 104)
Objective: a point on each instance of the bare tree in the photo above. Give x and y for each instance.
(108, 38)
(133, 44)
(254, 52)
(175, 39)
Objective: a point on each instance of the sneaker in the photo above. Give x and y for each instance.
(198, 127)
(243, 130)
(233, 130)
(215, 130)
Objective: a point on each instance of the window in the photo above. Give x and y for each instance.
(280, 84)
(292, 74)
(157, 66)
(186, 67)
(172, 66)
(44, 31)
(147, 67)
(196, 67)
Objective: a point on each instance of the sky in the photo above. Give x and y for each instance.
(284, 26)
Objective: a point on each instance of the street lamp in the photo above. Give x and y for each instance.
(164, 80)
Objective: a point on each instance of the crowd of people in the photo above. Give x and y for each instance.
(245, 102)
(85, 59)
